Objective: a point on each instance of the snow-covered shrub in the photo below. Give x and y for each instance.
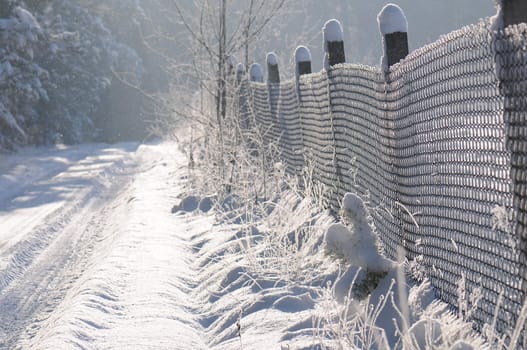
(357, 244)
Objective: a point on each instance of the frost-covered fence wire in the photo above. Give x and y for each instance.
(437, 147)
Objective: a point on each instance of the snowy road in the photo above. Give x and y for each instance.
(91, 257)
(88, 250)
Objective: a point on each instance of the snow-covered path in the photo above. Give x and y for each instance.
(91, 255)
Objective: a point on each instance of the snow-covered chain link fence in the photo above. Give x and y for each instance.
(437, 147)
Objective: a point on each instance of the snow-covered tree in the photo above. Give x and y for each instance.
(59, 62)
(81, 56)
(21, 78)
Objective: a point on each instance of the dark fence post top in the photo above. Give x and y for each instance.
(333, 44)
(256, 73)
(302, 61)
(394, 31)
(513, 12)
(273, 74)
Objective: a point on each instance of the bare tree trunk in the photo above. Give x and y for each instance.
(221, 102)
(246, 33)
(221, 85)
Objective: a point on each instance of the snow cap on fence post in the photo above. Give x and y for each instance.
(240, 72)
(333, 44)
(513, 11)
(256, 73)
(273, 75)
(394, 30)
(302, 61)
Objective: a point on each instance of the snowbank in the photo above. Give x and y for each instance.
(235, 277)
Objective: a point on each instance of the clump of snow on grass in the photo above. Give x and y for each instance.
(420, 297)
(256, 73)
(376, 294)
(358, 245)
(391, 19)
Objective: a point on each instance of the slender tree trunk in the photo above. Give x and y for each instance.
(247, 32)
(222, 93)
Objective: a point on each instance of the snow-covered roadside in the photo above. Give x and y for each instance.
(186, 280)
(277, 274)
(49, 205)
(135, 292)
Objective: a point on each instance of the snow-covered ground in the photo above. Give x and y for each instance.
(102, 248)
(92, 256)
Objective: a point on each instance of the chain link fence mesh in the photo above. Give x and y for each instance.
(437, 148)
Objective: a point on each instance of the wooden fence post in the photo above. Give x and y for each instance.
(231, 64)
(256, 73)
(273, 74)
(302, 62)
(240, 72)
(394, 30)
(333, 44)
(243, 108)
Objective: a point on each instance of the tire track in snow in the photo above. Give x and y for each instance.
(45, 263)
(23, 253)
(134, 290)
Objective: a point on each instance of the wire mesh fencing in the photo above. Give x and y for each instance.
(437, 148)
